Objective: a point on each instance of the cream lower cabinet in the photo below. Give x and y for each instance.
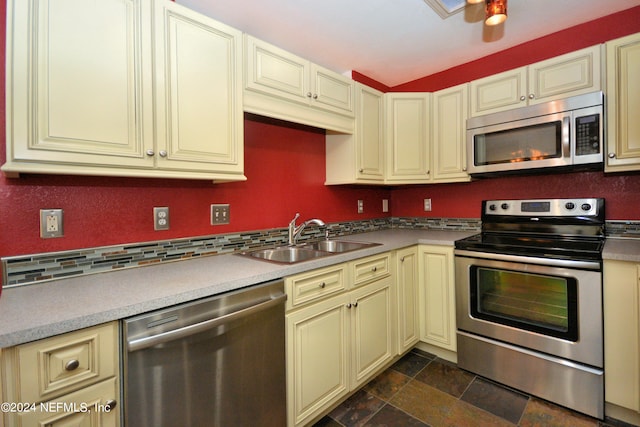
(566, 75)
(622, 340)
(69, 379)
(623, 104)
(437, 297)
(85, 97)
(407, 283)
(337, 341)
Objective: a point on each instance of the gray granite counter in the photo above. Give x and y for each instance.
(622, 249)
(38, 311)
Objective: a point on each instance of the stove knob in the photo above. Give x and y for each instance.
(504, 206)
(492, 207)
(586, 207)
(570, 206)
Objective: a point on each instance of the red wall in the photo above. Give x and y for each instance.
(285, 170)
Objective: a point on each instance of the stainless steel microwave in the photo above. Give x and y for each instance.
(564, 133)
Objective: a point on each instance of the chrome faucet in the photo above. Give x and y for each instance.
(296, 231)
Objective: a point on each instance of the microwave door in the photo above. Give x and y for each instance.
(537, 142)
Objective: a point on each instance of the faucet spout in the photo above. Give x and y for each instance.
(296, 231)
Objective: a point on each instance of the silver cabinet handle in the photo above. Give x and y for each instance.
(349, 305)
(522, 98)
(374, 269)
(71, 365)
(612, 155)
(308, 94)
(531, 96)
(322, 285)
(315, 96)
(111, 404)
(150, 153)
(361, 170)
(163, 153)
(355, 304)
(402, 259)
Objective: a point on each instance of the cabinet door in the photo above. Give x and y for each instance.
(89, 407)
(449, 116)
(623, 104)
(407, 286)
(369, 133)
(499, 92)
(408, 137)
(275, 71)
(331, 91)
(199, 92)
(567, 75)
(78, 90)
(372, 324)
(622, 333)
(437, 298)
(317, 358)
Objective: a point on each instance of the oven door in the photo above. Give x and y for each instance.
(552, 309)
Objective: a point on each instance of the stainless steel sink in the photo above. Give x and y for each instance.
(287, 254)
(338, 246)
(306, 251)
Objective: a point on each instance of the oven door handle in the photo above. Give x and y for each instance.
(584, 265)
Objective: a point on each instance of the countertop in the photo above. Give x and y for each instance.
(622, 249)
(42, 310)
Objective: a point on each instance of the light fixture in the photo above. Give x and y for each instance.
(474, 1)
(495, 12)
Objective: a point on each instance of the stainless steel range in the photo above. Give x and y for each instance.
(529, 299)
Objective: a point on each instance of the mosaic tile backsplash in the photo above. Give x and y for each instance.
(29, 269)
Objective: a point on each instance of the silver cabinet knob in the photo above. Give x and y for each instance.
(531, 96)
(355, 304)
(464, 169)
(374, 269)
(322, 285)
(71, 365)
(361, 170)
(150, 153)
(308, 94)
(163, 153)
(612, 155)
(349, 305)
(315, 96)
(522, 98)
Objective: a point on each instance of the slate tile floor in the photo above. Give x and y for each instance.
(421, 390)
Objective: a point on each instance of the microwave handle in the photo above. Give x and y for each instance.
(566, 137)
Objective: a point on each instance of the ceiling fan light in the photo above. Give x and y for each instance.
(495, 12)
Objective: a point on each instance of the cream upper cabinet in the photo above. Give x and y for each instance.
(449, 118)
(567, 75)
(407, 282)
(80, 90)
(359, 157)
(623, 104)
(200, 122)
(78, 87)
(437, 297)
(408, 138)
(278, 82)
(622, 338)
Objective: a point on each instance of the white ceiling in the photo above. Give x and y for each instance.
(396, 41)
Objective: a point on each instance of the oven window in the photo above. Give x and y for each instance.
(537, 142)
(534, 302)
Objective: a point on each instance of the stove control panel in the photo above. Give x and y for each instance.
(543, 207)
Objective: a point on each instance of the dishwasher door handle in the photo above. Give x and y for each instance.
(164, 337)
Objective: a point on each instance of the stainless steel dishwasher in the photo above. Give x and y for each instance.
(219, 361)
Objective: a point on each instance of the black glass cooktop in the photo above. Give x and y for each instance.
(561, 247)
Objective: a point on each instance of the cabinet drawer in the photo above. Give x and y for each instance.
(371, 268)
(51, 367)
(314, 285)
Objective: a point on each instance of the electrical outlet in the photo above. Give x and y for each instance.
(427, 205)
(385, 205)
(161, 218)
(51, 223)
(360, 206)
(220, 214)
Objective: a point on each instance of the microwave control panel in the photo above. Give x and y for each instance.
(587, 135)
